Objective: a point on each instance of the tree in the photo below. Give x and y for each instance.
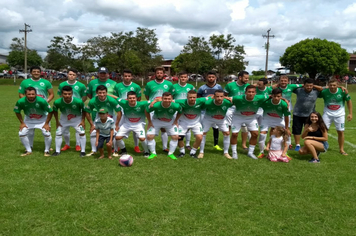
(16, 57)
(258, 72)
(315, 56)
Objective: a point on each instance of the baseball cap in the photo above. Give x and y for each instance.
(103, 110)
(103, 70)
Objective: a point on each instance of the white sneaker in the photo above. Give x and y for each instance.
(91, 154)
(115, 154)
(234, 155)
(251, 155)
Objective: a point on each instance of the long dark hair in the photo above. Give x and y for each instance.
(320, 122)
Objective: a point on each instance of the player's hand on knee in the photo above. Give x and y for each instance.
(92, 127)
(23, 125)
(46, 127)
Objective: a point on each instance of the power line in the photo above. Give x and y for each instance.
(26, 31)
(267, 47)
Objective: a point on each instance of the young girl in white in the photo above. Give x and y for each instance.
(277, 145)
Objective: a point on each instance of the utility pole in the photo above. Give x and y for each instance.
(26, 31)
(267, 47)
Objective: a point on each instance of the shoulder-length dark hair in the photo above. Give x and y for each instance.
(320, 122)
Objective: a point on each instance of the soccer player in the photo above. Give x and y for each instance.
(43, 88)
(79, 91)
(103, 79)
(207, 90)
(275, 113)
(120, 92)
(334, 110)
(104, 126)
(38, 114)
(156, 88)
(246, 113)
(190, 120)
(264, 90)
(180, 91)
(236, 89)
(111, 105)
(134, 120)
(215, 112)
(164, 116)
(72, 115)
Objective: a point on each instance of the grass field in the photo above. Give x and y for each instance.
(68, 195)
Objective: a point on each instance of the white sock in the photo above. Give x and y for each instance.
(48, 141)
(31, 136)
(92, 143)
(66, 137)
(234, 148)
(26, 143)
(144, 145)
(82, 142)
(251, 149)
(193, 151)
(58, 141)
(135, 138)
(182, 150)
(120, 144)
(172, 146)
(202, 145)
(77, 139)
(152, 146)
(187, 138)
(248, 135)
(164, 137)
(261, 142)
(226, 143)
(116, 145)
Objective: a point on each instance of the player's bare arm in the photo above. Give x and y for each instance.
(158, 99)
(286, 127)
(118, 118)
(82, 123)
(97, 137)
(349, 106)
(22, 124)
(92, 127)
(48, 120)
(113, 96)
(50, 95)
(55, 113)
(176, 120)
(21, 95)
(317, 87)
(148, 116)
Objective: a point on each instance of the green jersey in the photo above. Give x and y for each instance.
(287, 93)
(35, 110)
(154, 89)
(234, 89)
(214, 111)
(245, 107)
(165, 114)
(191, 114)
(267, 91)
(181, 92)
(79, 89)
(334, 103)
(133, 115)
(42, 86)
(272, 110)
(121, 90)
(109, 84)
(109, 103)
(70, 112)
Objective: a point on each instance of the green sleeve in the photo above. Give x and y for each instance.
(146, 91)
(55, 104)
(22, 87)
(346, 96)
(89, 89)
(48, 84)
(46, 106)
(18, 107)
(122, 102)
(59, 92)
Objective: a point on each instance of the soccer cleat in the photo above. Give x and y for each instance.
(261, 155)
(234, 155)
(47, 154)
(91, 154)
(188, 148)
(251, 155)
(201, 155)
(55, 154)
(314, 161)
(181, 155)
(216, 147)
(115, 154)
(137, 149)
(65, 148)
(288, 157)
(172, 156)
(77, 148)
(297, 148)
(166, 150)
(227, 156)
(290, 147)
(146, 154)
(26, 153)
(193, 155)
(153, 155)
(82, 154)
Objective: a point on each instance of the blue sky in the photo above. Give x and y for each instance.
(174, 21)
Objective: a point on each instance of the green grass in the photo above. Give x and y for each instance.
(68, 195)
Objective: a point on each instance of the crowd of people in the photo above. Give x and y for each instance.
(178, 110)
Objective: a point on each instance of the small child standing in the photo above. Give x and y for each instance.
(277, 145)
(104, 132)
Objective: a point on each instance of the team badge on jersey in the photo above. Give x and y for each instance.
(107, 85)
(76, 87)
(170, 110)
(138, 109)
(131, 88)
(37, 105)
(74, 106)
(165, 86)
(42, 84)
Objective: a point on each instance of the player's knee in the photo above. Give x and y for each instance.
(254, 134)
(199, 137)
(150, 137)
(181, 137)
(83, 134)
(142, 139)
(226, 133)
(234, 135)
(175, 137)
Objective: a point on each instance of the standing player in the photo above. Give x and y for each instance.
(236, 89)
(103, 79)
(133, 120)
(245, 113)
(98, 102)
(121, 90)
(275, 113)
(38, 114)
(207, 90)
(78, 91)
(72, 115)
(180, 91)
(164, 116)
(43, 88)
(190, 119)
(264, 90)
(215, 113)
(334, 110)
(156, 88)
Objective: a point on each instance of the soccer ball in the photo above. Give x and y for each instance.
(126, 160)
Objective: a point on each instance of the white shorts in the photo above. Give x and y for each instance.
(339, 122)
(170, 128)
(271, 123)
(221, 124)
(238, 122)
(125, 130)
(229, 115)
(65, 129)
(197, 128)
(32, 126)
